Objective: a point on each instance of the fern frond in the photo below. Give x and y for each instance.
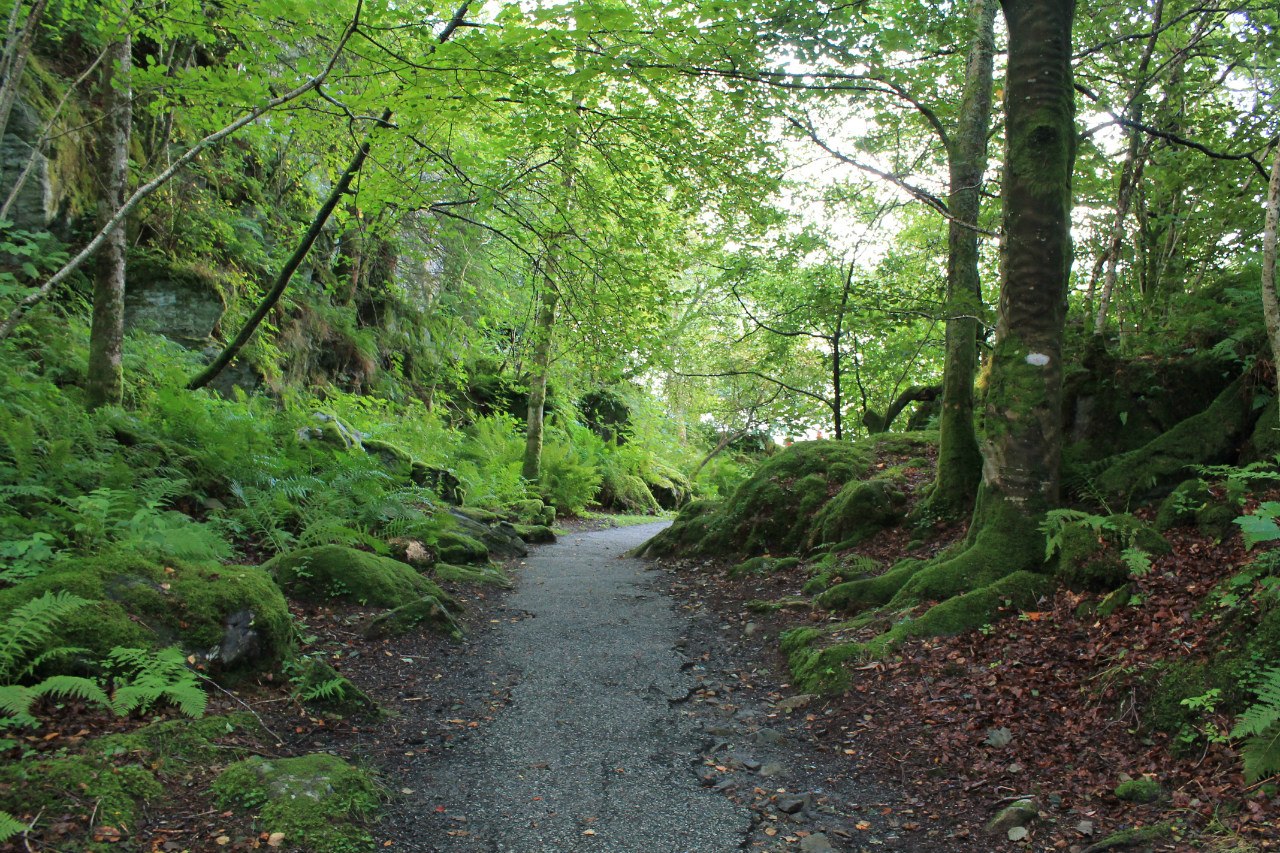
(10, 826)
(148, 677)
(71, 687)
(31, 625)
(1260, 724)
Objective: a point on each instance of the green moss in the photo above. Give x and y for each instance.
(771, 512)
(1133, 837)
(1006, 540)
(1114, 600)
(1004, 597)
(427, 610)
(1182, 504)
(536, 533)
(334, 572)
(173, 746)
(320, 802)
(1169, 683)
(144, 604)
(860, 510)
(763, 566)
(455, 547)
(491, 574)
(1207, 438)
(534, 511)
(853, 596)
(1086, 562)
(79, 785)
(323, 688)
(1141, 790)
(757, 605)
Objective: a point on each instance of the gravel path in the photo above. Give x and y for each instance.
(590, 753)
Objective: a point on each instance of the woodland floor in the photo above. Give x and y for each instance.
(715, 741)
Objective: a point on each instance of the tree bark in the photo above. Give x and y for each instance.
(876, 423)
(1270, 300)
(959, 459)
(544, 330)
(105, 379)
(1023, 443)
(19, 34)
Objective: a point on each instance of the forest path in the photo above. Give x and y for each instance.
(597, 746)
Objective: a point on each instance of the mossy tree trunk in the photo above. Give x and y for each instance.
(105, 380)
(959, 459)
(544, 330)
(1270, 301)
(1023, 430)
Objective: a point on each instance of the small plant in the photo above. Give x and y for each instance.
(25, 633)
(10, 826)
(1260, 726)
(146, 677)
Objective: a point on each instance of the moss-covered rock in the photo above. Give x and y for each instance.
(1212, 436)
(323, 688)
(534, 511)
(333, 572)
(114, 792)
(428, 611)
(456, 547)
(763, 566)
(1141, 790)
(490, 574)
(1087, 562)
(233, 617)
(536, 534)
(857, 512)
(320, 802)
(772, 511)
(173, 747)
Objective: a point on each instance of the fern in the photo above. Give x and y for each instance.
(10, 826)
(148, 677)
(28, 628)
(16, 699)
(1260, 724)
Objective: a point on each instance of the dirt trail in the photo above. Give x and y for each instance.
(599, 746)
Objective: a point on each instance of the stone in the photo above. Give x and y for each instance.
(770, 737)
(816, 843)
(1016, 814)
(794, 703)
(792, 803)
(772, 769)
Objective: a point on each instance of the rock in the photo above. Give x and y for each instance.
(328, 572)
(535, 534)
(183, 302)
(1142, 790)
(35, 207)
(1016, 814)
(792, 803)
(770, 737)
(230, 617)
(816, 843)
(427, 610)
(411, 551)
(500, 541)
(323, 688)
(318, 801)
(794, 703)
(772, 769)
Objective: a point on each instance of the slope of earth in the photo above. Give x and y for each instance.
(1051, 706)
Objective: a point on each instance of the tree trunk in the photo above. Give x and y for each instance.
(1023, 441)
(1023, 429)
(1270, 301)
(545, 326)
(959, 460)
(105, 379)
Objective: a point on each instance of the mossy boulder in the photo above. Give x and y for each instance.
(859, 511)
(427, 611)
(233, 617)
(534, 511)
(320, 802)
(323, 688)
(772, 511)
(490, 574)
(763, 566)
(114, 792)
(1183, 503)
(172, 747)
(328, 572)
(535, 534)
(1090, 555)
(1212, 436)
(1141, 790)
(498, 539)
(456, 547)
